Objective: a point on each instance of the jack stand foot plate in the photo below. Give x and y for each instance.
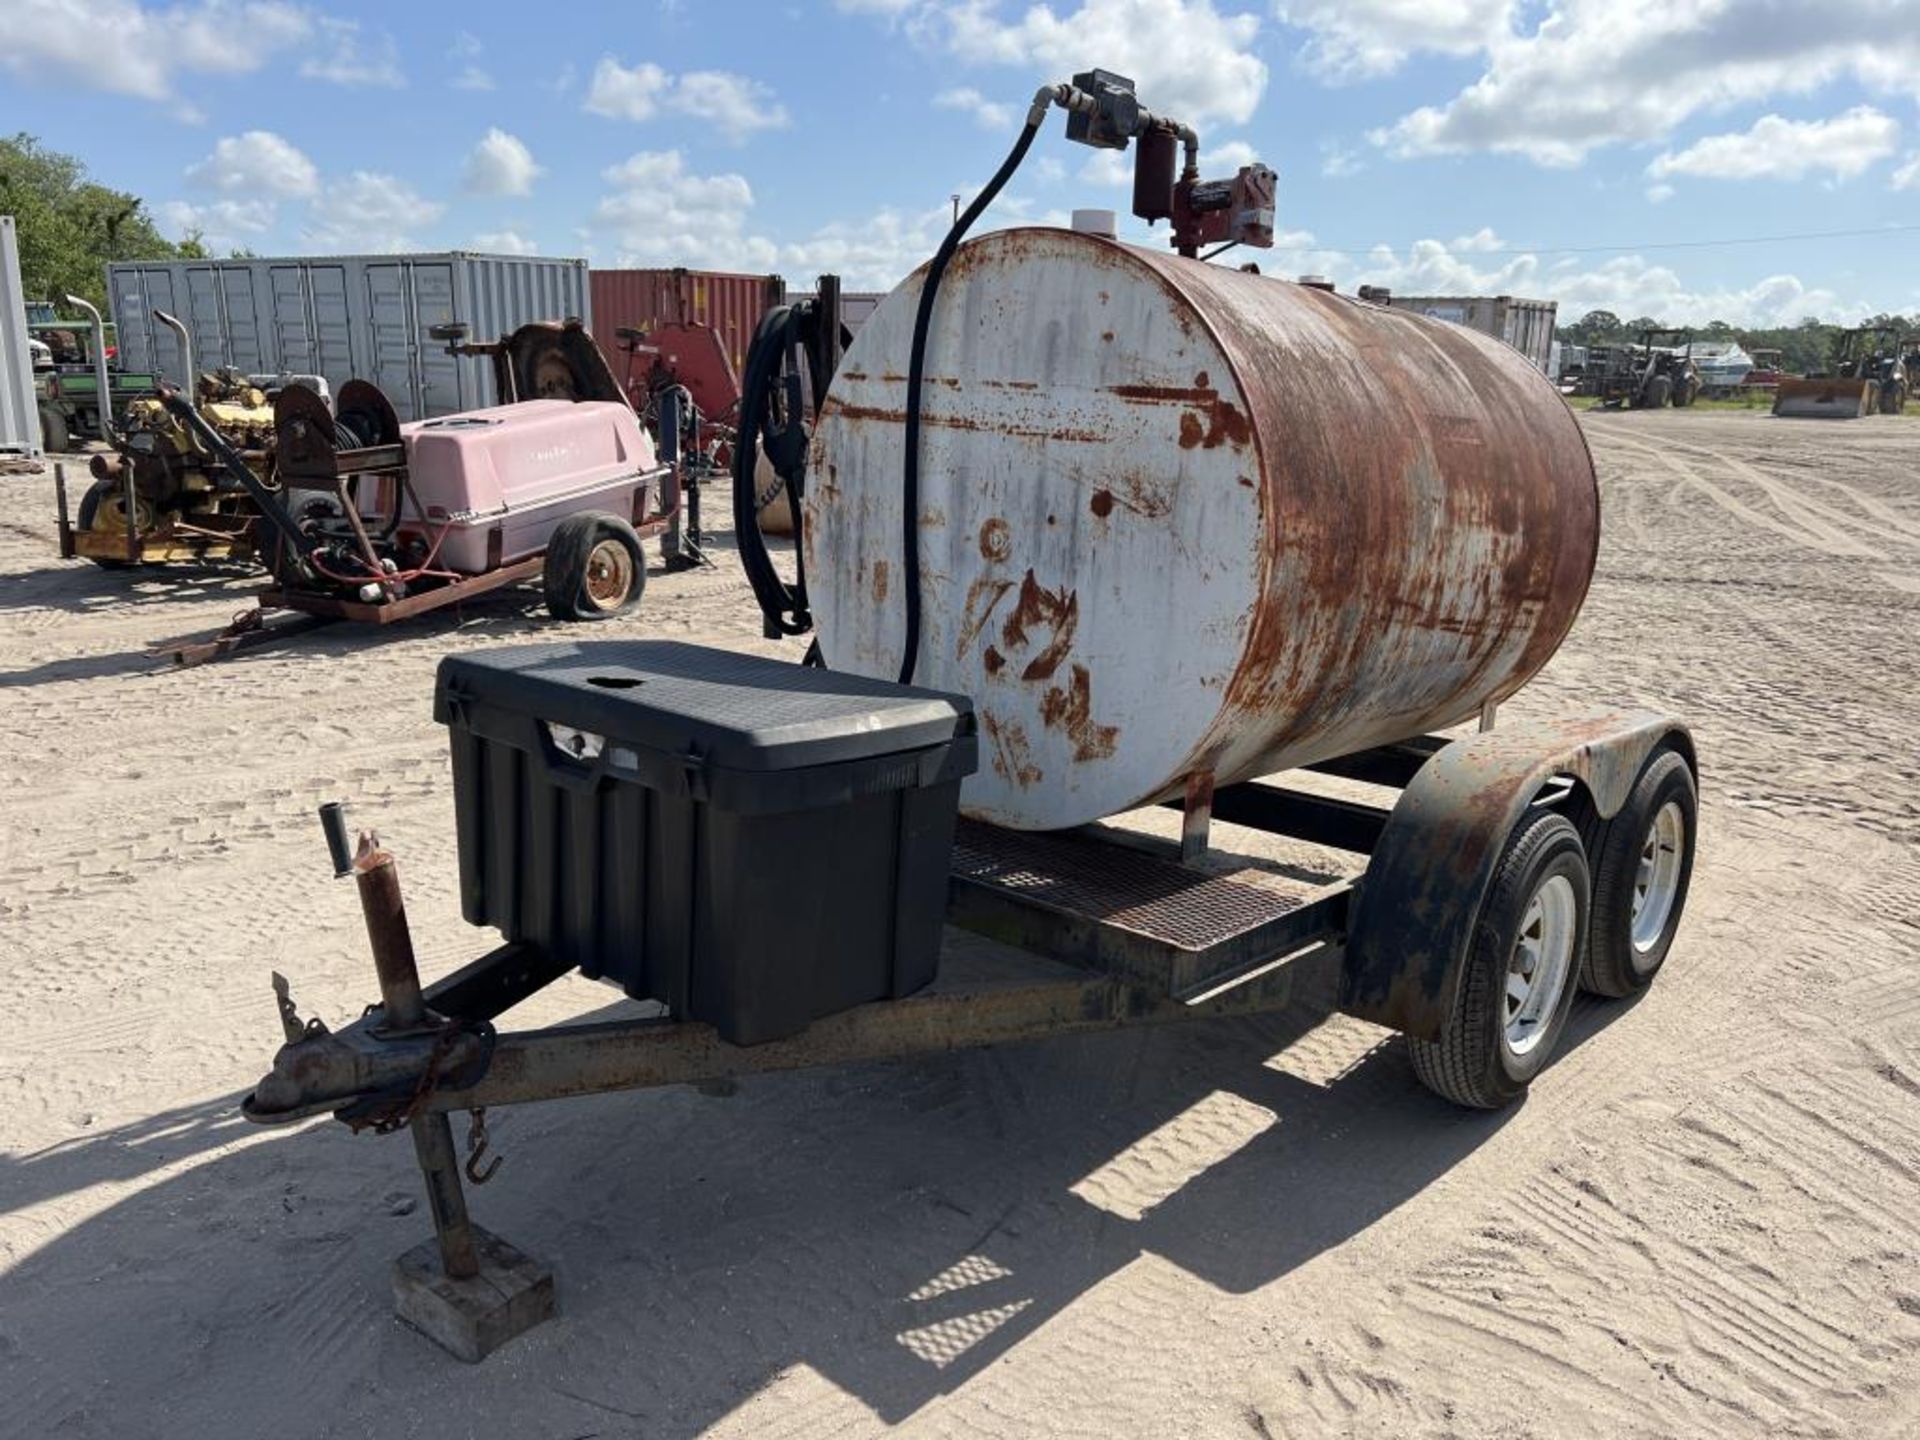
(472, 1317)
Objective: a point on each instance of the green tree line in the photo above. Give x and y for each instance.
(69, 227)
(1806, 346)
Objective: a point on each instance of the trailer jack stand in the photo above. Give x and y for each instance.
(466, 1288)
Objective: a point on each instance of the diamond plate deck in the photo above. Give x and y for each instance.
(1165, 927)
(1174, 904)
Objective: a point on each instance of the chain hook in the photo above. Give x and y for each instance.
(477, 1148)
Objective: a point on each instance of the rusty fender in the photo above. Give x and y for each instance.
(1427, 877)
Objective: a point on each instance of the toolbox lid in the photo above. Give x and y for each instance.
(738, 712)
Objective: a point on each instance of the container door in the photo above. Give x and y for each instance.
(132, 322)
(292, 329)
(439, 371)
(390, 318)
(203, 318)
(244, 350)
(331, 324)
(157, 293)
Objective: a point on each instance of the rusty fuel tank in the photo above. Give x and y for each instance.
(1179, 520)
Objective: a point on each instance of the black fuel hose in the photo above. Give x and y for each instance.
(916, 365)
(773, 369)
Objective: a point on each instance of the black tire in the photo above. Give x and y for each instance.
(1472, 1063)
(1615, 965)
(1659, 392)
(1893, 398)
(55, 438)
(585, 576)
(1685, 393)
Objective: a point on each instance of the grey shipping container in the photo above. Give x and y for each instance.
(19, 415)
(344, 317)
(1526, 325)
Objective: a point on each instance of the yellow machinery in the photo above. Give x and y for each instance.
(160, 495)
(1868, 374)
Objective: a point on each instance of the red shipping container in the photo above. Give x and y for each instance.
(644, 299)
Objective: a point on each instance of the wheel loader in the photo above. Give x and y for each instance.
(1869, 373)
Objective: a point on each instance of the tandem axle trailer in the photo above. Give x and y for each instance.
(1514, 866)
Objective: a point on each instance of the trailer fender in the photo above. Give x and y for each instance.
(1427, 877)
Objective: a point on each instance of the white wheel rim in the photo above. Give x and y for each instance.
(1538, 966)
(1656, 877)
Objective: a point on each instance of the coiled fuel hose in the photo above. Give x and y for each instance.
(771, 364)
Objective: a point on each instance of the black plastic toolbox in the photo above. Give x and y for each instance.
(753, 843)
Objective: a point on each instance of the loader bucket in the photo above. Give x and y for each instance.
(1833, 398)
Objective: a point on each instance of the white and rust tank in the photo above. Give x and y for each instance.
(1179, 520)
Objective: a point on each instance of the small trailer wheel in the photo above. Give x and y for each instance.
(1519, 981)
(1640, 879)
(594, 568)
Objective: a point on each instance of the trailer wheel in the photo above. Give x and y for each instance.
(594, 568)
(1640, 879)
(1520, 971)
(55, 438)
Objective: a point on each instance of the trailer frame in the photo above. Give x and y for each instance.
(1063, 934)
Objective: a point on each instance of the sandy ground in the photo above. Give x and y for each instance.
(1704, 1221)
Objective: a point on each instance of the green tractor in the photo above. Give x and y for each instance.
(1657, 370)
(68, 376)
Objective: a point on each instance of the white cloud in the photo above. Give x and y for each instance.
(505, 242)
(1108, 167)
(466, 50)
(988, 114)
(1189, 60)
(500, 164)
(1360, 39)
(626, 93)
(875, 7)
(221, 224)
(254, 164)
(1907, 177)
(1779, 149)
(658, 212)
(370, 213)
(354, 58)
(1660, 194)
(1337, 161)
(734, 105)
(123, 47)
(1227, 157)
(1479, 242)
(1628, 285)
(1600, 72)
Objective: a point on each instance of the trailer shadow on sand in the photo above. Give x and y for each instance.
(889, 1229)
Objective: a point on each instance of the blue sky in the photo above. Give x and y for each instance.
(1434, 145)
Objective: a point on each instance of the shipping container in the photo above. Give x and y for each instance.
(19, 414)
(643, 299)
(345, 317)
(1526, 325)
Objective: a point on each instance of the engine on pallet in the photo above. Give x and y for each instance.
(163, 486)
